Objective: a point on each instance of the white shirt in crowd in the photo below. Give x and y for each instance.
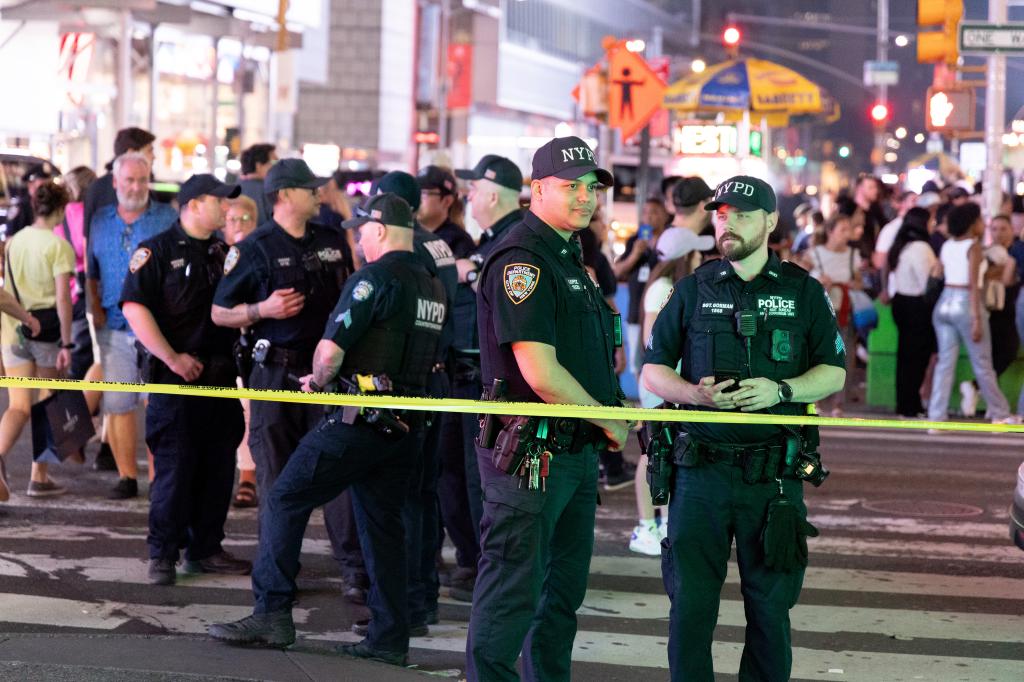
(911, 275)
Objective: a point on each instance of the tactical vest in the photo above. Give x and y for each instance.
(583, 318)
(778, 349)
(404, 345)
(308, 272)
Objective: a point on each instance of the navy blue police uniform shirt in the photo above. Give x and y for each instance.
(270, 259)
(436, 256)
(175, 276)
(373, 293)
(796, 330)
(489, 240)
(534, 288)
(493, 236)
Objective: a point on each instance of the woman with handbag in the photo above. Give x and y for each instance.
(837, 265)
(910, 260)
(38, 270)
(961, 317)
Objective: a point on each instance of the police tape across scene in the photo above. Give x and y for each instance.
(506, 408)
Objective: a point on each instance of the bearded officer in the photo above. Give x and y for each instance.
(756, 335)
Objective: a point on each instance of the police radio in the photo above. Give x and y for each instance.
(746, 323)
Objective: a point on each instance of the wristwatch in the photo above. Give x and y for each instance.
(471, 276)
(785, 392)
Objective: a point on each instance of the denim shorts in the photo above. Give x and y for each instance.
(44, 354)
(120, 363)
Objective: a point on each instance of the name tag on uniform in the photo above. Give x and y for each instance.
(643, 274)
(329, 255)
(777, 306)
(178, 263)
(574, 283)
(717, 307)
(284, 262)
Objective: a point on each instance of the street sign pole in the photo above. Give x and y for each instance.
(995, 117)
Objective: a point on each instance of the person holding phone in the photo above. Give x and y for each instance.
(753, 334)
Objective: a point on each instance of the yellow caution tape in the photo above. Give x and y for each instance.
(482, 407)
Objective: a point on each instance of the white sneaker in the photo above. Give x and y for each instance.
(968, 399)
(645, 540)
(1012, 420)
(663, 530)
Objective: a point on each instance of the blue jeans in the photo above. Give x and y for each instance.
(329, 459)
(952, 321)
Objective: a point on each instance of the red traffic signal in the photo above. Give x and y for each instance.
(731, 36)
(880, 112)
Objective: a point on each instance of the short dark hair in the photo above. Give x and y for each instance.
(272, 198)
(49, 198)
(132, 139)
(960, 218)
(256, 155)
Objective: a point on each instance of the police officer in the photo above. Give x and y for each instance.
(495, 183)
(21, 214)
(384, 330)
(282, 282)
(166, 299)
(757, 335)
(546, 331)
(420, 510)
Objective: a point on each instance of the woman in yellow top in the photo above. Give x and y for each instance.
(39, 265)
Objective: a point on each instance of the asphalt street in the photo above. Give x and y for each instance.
(913, 578)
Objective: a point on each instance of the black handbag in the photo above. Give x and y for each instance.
(61, 426)
(933, 289)
(49, 321)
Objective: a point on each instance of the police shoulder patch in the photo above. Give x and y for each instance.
(520, 281)
(231, 260)
(362, 291)
(139, 258)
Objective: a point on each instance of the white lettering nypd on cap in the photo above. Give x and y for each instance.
(735, 188)
(577, 154)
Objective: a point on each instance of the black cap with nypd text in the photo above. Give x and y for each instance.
(201, 184)
(744, 192)
(387, 208)
(497, 169)
(568, 158)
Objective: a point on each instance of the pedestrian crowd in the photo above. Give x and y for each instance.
(283, 281)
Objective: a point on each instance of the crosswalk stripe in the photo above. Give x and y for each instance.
(648, 651)
(609, 648)
(598, 603)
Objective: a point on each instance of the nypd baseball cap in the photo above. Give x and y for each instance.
(568, 158)
(201, 184)
(387, 208)
(291, 173)
(744, 192)
(401, 183)
(497, 169)
(435, 177)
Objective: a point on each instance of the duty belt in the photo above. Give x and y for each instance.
(288, 357)
(736, 455)
(583, 432)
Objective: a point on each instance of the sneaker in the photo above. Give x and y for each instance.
(221, 562)
(968, 398)
(662, 530)
(645, 540)
(463, 581)
(48, 488)
(622, 479)
(5, 490)
(272, 629)
(162, 572)
(362, 628)
(104, 459)
(125, 489)
(364, 650)
(355, 589)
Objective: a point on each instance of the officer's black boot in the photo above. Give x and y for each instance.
(272, 629)
(364, 650)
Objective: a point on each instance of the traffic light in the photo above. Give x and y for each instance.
(938, 46)
(731, 40)
(950, 110)
(880, 113)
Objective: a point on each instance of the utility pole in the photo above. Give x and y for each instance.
(642, 189)
(442, 98)
(883, 90)
(995, 117)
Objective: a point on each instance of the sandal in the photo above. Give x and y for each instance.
(246, 496)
